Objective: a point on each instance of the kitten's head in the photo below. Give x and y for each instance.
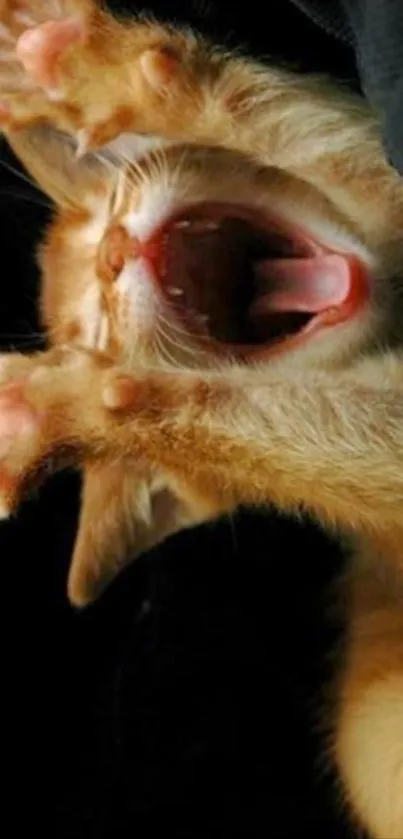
(195, 256)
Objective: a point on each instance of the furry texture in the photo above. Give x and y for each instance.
(169, 432)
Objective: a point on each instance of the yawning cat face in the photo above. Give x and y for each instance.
(190, 255)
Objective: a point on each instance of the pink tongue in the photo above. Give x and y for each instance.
(303, 285)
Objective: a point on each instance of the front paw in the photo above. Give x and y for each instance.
(34, 39)
(30, 423)
(95, 77)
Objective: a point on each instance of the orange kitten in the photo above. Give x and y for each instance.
(245, 275)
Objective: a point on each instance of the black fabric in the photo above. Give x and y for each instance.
(275, 31)
(374, 31)
(185, 703)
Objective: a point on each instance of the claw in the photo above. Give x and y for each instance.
(83, 143)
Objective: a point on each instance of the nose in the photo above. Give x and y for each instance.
(117, 246)
(112, 253)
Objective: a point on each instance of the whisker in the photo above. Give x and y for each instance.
(175, 327)
(32, 199)
(70, 198)
(18, 173)
(184, 348)
(17, 343)
(16, 335)
(166, 355)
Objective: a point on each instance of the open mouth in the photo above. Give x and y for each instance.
(249, 284)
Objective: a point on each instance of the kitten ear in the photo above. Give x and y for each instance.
(121, 517)
(50, 157)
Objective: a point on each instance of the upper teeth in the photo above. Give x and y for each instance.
(174, 291)
(197, 225)
(181, 225)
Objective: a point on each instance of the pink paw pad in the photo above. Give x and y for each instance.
(17, 419)
(16, 414)
(38, 49)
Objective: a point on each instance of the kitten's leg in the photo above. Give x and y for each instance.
(26, 82)
(368, 738)
(94, 77)
(230, 438)
(240, 436)
(100, 75)
(249, 437)
(124, 509)
(81, 68)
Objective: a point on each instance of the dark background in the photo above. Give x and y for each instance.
(185, 702)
